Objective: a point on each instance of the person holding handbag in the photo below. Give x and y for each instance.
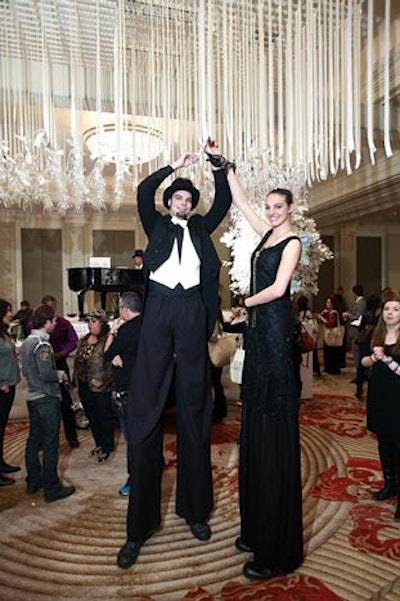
(306, 317)
(330, 318)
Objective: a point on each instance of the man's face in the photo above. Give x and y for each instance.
(137, 261)
(52, 304)
(50, 325)
(180, 204)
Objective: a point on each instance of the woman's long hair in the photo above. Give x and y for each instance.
(4, 307)
(379, 335)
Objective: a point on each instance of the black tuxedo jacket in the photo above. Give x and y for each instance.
(161, 234)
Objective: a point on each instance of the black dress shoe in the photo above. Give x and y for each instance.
(200, 530)
(128, 554)
(102, 457)
(6, 468)
(32, 488)
(253, 572)
(240, 546)
(6, 481)
(65, 491)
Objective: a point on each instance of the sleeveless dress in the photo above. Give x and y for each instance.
(269, 469)
(383, 399)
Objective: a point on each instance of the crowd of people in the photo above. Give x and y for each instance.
(148, 354)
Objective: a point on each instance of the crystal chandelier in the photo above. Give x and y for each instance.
(294, 83)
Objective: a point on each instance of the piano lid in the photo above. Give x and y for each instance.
(105, 279)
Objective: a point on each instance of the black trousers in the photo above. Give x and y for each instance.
(6, 401)
(173, 341)
(67, 413)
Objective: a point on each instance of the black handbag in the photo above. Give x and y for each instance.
(119, 402)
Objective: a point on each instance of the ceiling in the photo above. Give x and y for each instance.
(82, 33)
(66, 30)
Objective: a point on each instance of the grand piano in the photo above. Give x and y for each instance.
(103, 280)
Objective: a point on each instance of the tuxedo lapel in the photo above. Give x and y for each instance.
(195, 236)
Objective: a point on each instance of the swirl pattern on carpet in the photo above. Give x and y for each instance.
(67, 550)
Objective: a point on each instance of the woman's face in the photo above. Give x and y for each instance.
(277, 209)
(328, 304)
(391, 313)
(7, 316)
(94, 326)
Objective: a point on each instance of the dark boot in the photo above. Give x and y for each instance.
(397, 512)
(359, 391)
(386, 455)
(389, 490)
(219, 411)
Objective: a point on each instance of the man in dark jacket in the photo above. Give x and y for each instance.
(182, 272)
(120, 350)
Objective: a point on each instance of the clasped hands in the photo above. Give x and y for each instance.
(212, 151)
(378, 353)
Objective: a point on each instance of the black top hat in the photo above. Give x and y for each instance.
(181, 183)
(137, 253)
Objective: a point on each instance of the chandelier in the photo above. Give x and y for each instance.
(292, 82)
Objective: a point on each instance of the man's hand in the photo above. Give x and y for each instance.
(185, 160)
(117, 323)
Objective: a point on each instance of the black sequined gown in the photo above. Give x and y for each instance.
(270, 473)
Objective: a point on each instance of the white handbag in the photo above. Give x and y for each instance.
(236, 366)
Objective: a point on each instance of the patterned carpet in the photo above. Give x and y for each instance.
(67, 550)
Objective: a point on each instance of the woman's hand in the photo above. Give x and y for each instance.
(211, 147)
(117, 361)
(5, 388)
(378, 352)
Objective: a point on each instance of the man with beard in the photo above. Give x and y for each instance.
(181, 269)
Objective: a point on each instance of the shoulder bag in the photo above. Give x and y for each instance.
(221, 349)
(334, 336)
(307, 342)
(236, 366)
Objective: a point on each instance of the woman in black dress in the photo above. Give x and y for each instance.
(383, 407)
(9, 378)
(269, 470)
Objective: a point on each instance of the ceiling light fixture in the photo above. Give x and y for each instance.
(135, 144)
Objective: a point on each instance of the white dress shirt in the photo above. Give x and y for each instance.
(186, 271)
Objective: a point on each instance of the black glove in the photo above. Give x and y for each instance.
(220, 162)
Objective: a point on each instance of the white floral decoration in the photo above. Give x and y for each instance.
(78, 190)
(258, 179)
